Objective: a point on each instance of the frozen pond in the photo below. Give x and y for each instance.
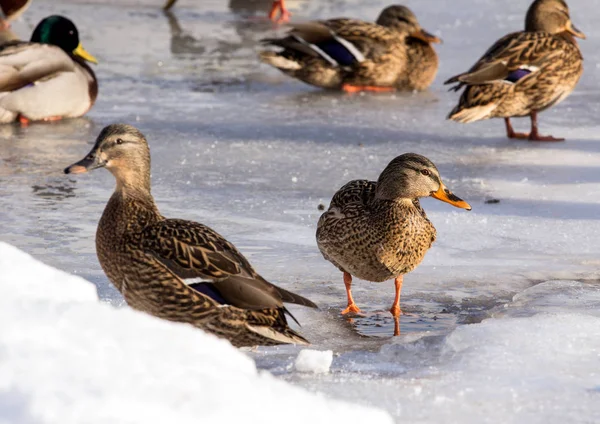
(252, 153)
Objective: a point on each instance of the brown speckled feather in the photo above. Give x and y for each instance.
(392, 58)
(373, 239)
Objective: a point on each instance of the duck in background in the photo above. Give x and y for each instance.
(377, 231)
(524, 72)
(174, 269)
(394, 53)
(11, 10)
(278, 12)
(47, 78)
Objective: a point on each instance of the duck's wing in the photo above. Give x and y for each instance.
(210, 264)
(24, 63)
(341, 42)
(350, 200)
(511, 58)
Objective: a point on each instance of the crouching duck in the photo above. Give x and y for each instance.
(394, 53)
(524, 72)
(47, 78)
(175, 269)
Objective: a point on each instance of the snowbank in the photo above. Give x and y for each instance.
(66, 358)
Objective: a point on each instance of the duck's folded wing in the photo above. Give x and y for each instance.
(207, 262)
(520, 51)
(23, 63)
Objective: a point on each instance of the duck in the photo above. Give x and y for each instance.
(47, 78)
(175, 269)
(394, 53)
(377, 230)
(523, 73)
(11, 10)
(278, 12)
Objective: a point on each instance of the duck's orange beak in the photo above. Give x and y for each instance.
(423, 35)
(446, 195)
(572, 29)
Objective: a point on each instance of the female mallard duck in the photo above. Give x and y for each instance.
(377, 231)
(47, 78)
(175, 269)
(278, 12)
(394, 53)
(11, 9)
(525, 72)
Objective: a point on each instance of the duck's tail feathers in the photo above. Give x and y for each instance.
(278, 61)
(467, 115)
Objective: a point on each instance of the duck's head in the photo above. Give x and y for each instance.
(402, 19)
(411, 176)
(123, 150)
(551, 16)
(61, 32)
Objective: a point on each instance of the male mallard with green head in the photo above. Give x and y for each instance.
(174, 269)
(377, 231)
(394, 53)
(47, 78)
(525, 72)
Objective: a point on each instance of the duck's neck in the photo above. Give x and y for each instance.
(131, 207)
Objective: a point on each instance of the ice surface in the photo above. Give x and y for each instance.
(314, 361)
(502, 309)
(66, 358)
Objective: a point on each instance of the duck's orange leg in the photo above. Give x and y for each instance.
(510, 132)
(395, 309)
(278, 8)
(349, 88)
(52, 118)
(396, 326)
(351, 305)
(534, 135)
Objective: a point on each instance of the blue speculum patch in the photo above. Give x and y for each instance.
(208, 289)
(338, 52)
(516, 75)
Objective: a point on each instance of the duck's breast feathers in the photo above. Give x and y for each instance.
(516, 56)
(24, 63)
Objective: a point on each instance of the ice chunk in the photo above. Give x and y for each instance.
(315, 361)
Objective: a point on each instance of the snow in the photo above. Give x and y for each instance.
(314, 361)
(502, 313)
(66, 358)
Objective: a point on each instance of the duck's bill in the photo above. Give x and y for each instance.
(447, 196)
(421, 34)
(575, 31)
(82, 53)
(88, 163)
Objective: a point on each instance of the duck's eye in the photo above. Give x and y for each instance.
(119, 141)
(425, 172)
